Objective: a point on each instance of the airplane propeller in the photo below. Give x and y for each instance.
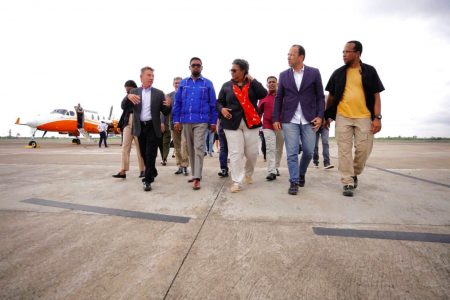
(110, 112)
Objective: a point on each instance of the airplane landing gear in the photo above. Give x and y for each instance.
(33, 143)
(76, 141)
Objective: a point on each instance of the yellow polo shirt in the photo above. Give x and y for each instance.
(353, 102)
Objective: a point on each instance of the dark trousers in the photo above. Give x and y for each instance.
(164, 146)
(223, 156)
(323, 134)
(148, 143)
(263, 143)
(103, 137)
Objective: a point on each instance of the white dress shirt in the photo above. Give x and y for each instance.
(103, 127)
(146, 113)
(298, 117)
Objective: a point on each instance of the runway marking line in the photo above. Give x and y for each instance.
(109, 211)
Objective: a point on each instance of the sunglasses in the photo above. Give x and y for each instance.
(196, 65)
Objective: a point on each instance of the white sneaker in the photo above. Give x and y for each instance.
(328, 167)
(235, 188)
(248, 179)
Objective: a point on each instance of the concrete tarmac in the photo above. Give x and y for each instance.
(68, 230)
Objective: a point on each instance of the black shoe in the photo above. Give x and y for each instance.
(118, 175)
(278, 173)
(223, 173)
(164, 162)
(301, 181)
(271, 176)
(185, 172)
(173, 155)
(147, 187)
(293, 189)
(355, 181)
(142, 174)
(348, 190)
(179, 171)
(191, 180)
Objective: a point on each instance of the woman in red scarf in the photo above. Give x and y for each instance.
(237, 105)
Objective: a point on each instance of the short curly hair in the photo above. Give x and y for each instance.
(243, 64)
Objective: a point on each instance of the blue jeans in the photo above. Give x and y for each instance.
(223, 157)
(209, 141)
(324, 133)
(293, 134)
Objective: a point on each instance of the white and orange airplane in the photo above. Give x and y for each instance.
(68, 121)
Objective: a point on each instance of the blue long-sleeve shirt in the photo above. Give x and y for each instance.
(195, 102)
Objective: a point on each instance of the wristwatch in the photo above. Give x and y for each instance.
(379, 117)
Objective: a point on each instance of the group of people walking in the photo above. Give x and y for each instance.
(292, 111)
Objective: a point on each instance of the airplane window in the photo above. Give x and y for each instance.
(92, 117)
(98, 118)
(59, 111)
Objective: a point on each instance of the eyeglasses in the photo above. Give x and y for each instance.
(196, 65)
(348, 51)
(233, 70)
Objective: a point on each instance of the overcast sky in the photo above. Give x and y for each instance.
(55, 54)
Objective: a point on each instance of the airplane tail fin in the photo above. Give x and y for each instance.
(18, 121)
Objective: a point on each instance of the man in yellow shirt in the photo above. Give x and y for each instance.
(354, 102)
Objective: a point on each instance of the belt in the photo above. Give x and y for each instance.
(145, 123)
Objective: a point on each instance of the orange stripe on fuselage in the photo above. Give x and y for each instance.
(68, 126)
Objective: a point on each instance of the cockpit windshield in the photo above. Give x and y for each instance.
(59, 111)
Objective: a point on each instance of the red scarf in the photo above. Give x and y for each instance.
(251, 115)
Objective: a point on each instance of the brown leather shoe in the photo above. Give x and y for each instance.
(196, 184)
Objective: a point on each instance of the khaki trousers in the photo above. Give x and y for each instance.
(349, 131)
(194, 134)
(274, 149)
(126, 147)
(180, 148)
(242, 143)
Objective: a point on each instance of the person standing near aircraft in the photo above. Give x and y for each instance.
(148, 102)
(354, 101)
(126, 127)
(195, 108)
(80, 116)
(299, 107)
(103, 130)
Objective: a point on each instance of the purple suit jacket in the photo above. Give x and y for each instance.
(310, 96)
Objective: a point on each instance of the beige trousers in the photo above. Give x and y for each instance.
(242, 143)
(128, 138)
(180, 149)
(274, 149)
(349, 131)
(194, 133)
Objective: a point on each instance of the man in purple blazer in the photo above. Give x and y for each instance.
(298, 110)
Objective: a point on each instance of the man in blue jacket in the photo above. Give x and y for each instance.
(298, 108)
(195, 109)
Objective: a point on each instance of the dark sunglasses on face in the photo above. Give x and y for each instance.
(196, 65)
